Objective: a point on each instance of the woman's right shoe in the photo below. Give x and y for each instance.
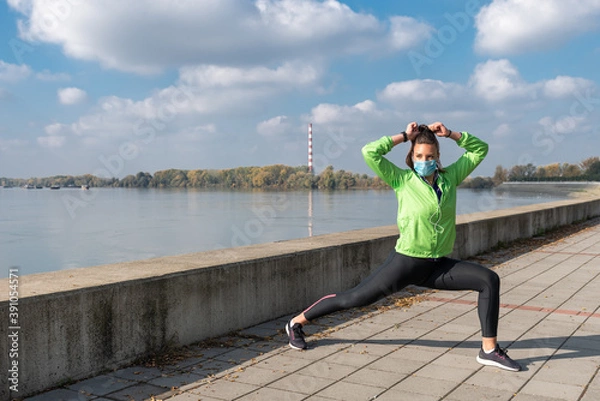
(498, 358)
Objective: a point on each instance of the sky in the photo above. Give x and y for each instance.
(115, 87)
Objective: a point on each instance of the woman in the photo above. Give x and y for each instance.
(426, 195)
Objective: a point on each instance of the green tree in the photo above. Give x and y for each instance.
(500, 175)
(522, 173)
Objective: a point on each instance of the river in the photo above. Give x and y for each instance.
(44, 230)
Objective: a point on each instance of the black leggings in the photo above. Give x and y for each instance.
(399, 270)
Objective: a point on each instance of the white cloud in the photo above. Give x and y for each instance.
(51, 141)
(54, 129)
(566, 124)
(12, 72)
(497, 80)
(502, 131)
(274, 127)
(71, 96)
(8, 145)
(517, 26)
(52, 77)
(289, 74)
(500, 81)
(406, 32)
(420, 90)
(563, 86)
(201, 94)
(327, 113)
(227, 32)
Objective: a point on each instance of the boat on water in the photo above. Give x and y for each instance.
(55, 187)
(28, 186)
(85, 187)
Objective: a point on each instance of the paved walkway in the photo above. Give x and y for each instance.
(417, 348)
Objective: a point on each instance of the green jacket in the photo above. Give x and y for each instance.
(427, 227)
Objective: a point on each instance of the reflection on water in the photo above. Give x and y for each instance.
(310, 213)
(45, 230)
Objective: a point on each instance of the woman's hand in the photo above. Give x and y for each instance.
(439, 129)
(412, 129)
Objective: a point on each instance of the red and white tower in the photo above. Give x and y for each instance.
(310, 161)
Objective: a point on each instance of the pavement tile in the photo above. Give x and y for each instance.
(141, 392)
(317, 398)
(268, 329)
(591, 394)
(417, 353)
(61, 395)
(395, 337)
(471, 392)
(184, 363)
(177, 380)
(257, 376)
(138, 373)
(101, 385)
(240, 355)
(452, 359)
(371, 348)
(347, 391)
(595, 382)
(190, 397)
(396, 365)
(265, 394)
(426, 386)
(395, 395)
(212, 368)
(301, 384)
(351, 359)
(441, 339)
(553, 390)
(224, 389)
(454, 374)
(567, 371)
(210, 352)
(285, 363)
(374, 377)
(501, 380)
(350, 336)
(268, 346)
(581, 344)
(327, 370)
(319, 350)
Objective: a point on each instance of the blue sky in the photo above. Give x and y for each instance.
(113, 88)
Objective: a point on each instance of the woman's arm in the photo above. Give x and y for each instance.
(373, 153)
(476, 150)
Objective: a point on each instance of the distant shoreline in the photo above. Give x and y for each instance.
(572, 188)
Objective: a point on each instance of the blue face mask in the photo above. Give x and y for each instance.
(426, 168)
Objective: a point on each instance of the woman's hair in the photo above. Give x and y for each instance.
(425, 136)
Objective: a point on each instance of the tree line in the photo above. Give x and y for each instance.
(587, 170)
(283, 177)
(268, 177)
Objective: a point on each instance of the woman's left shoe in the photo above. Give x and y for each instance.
(498, 358)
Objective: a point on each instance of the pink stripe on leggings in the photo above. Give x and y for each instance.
(325, 297)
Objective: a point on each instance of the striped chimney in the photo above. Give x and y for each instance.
(310, 161)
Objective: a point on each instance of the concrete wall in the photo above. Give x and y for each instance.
(78, 323)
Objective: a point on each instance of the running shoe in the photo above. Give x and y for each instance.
(498, 358)
(296, 335)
